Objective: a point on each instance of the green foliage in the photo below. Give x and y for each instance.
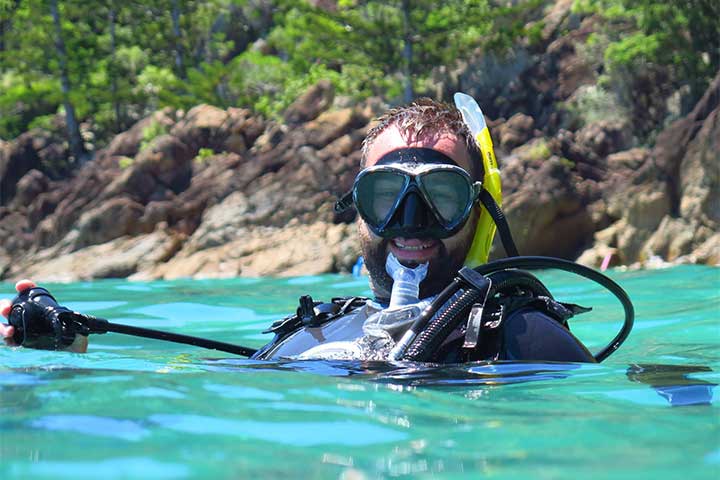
(128, 59)
(592, 103)
(513, 21)
(680, 36)
(125, 60)
(376, 46)
(268, 85)
(567, 163)
(125, 162)
(203, 155)
(121, 58)
(151, 132)
(43, 122)
(539, 151)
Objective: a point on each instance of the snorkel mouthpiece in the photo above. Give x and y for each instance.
(406, 282)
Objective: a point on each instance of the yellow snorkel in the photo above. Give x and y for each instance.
(485, 231)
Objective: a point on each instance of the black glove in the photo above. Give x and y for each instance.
(41, 323)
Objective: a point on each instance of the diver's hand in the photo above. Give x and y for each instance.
(79, 345)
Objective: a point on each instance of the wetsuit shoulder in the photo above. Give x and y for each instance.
(530, 334)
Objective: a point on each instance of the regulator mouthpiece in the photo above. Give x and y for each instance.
(406, 282)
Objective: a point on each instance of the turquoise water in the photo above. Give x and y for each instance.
(137, 408)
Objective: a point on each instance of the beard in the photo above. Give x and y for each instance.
(441, 269)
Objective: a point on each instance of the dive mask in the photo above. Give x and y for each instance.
(413, 193)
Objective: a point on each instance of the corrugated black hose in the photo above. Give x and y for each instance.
(441, 324)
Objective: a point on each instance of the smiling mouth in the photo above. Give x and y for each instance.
(411, 251)
(413, 245)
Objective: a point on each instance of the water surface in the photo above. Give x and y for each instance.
(139, 408)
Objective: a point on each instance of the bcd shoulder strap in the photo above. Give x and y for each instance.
(511, 291)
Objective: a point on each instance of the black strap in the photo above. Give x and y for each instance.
(502, 225)
(336, 308)
(344, 202)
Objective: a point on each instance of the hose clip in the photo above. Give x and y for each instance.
(483, 284)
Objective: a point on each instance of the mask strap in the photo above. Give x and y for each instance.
(500, 221)
(344, 202)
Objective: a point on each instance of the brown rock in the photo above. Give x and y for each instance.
(709, 251)
(645, 207)
(115, 259)
(42, 206)
(311, 104)
(133, 182)
(516, 131)
(168, 160)
(221, 223)
(669, 201)
(594, 256)
(672, 239)
(29, 187)
(155, 213)
(585, 161)
(700, 174)
(242, 122)
(559, 11)
(546, 215)
(269, 139)
(204, 126)
(16, 159)
(14, 231)
(630, 241)
(604, 137)
(573, 70)
(293, 250)
(671, 145)
(112, 219)
(627, 160)
(162, 167)
(235, 143)
(127, 144)
(330, 126)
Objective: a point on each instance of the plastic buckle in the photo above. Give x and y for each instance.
(483, 285)
(306, 311)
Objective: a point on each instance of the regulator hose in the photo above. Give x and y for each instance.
(442, 323)
(441, 320)
(422, 320)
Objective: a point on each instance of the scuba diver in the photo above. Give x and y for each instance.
(427, 197)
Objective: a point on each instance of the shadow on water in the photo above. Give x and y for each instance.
(671, 382)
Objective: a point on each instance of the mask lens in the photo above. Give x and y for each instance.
(377, 193)
(449, 192)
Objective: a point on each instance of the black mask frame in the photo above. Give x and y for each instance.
(414, 211)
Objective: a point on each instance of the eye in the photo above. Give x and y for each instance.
(449, 193)
(378, 192)
(445, 193)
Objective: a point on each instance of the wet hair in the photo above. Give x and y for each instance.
(426, 117)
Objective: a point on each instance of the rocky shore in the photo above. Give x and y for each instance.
(222, 193)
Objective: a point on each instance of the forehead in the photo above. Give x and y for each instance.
(391, 139)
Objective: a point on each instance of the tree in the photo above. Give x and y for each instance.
(390, 47)
(77, 148)
(682, 36)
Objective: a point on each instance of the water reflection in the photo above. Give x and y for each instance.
(671, 382)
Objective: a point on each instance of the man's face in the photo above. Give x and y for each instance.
(446, 255)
